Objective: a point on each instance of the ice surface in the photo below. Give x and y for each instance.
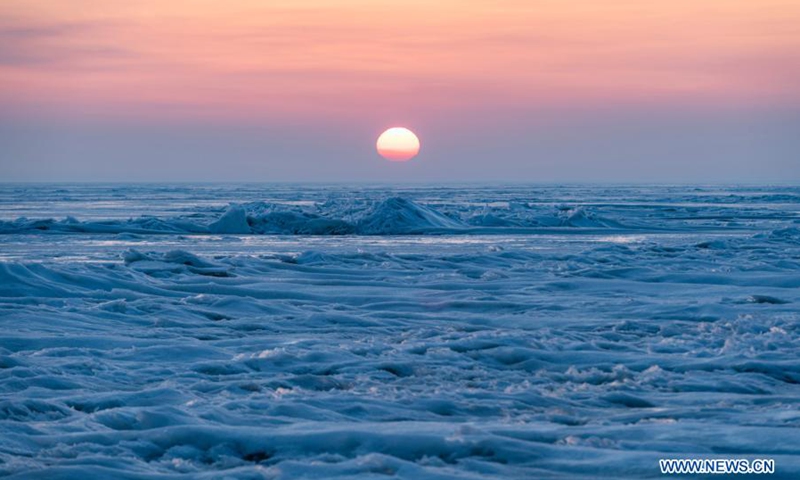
(270, 331)
(511, 210)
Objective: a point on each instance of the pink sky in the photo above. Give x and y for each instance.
(444, 66)
(245, 59)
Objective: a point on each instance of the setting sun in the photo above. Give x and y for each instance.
(398, 144)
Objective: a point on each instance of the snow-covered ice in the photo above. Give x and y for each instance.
(291, 331)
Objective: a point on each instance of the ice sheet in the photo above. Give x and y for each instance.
(413, 332)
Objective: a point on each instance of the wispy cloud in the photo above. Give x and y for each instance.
(39, 44)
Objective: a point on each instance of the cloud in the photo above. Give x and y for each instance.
(11, 30)
(27, 44)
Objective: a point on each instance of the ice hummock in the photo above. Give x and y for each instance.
(389, 216)
(234, 220)
(398, 215)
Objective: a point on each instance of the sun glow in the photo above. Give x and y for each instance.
(398, 144)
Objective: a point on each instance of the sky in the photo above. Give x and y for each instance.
(691, 91)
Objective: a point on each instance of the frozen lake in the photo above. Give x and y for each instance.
(464, 331)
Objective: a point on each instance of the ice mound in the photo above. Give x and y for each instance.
(579, 217)
(234, 220)
(394, 216)
(398, 215)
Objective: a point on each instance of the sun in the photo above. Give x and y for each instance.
(398, 144)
